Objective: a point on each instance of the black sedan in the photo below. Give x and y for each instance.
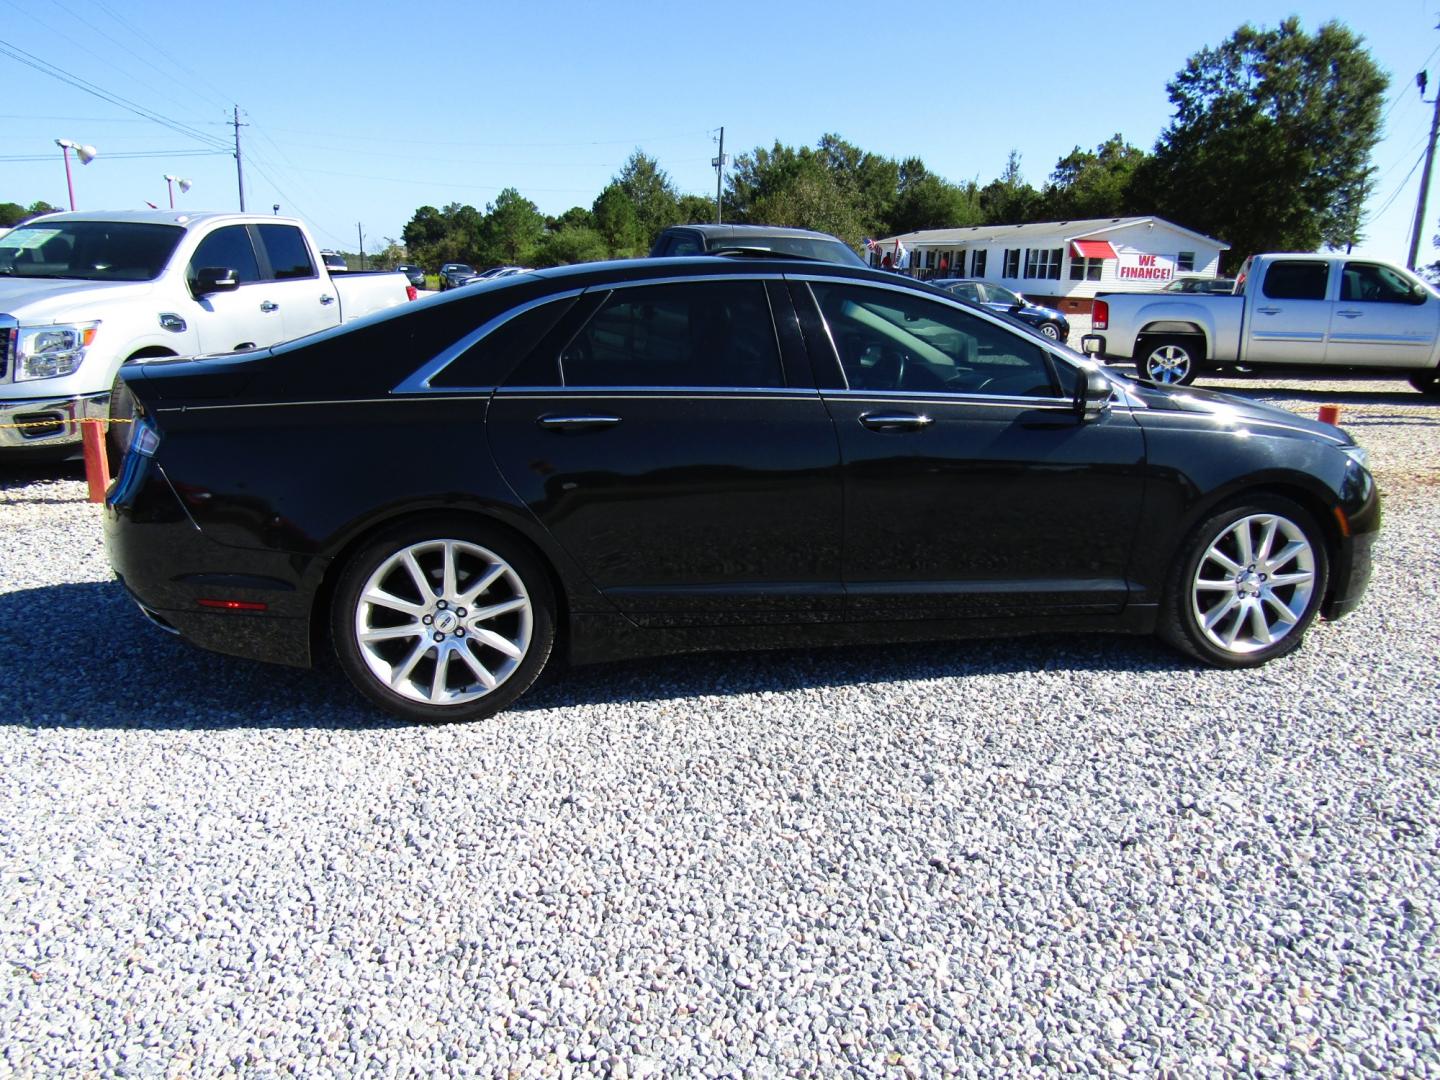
(453, 275)
(998, 298)
(656, 456)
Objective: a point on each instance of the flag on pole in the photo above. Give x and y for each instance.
(902, 256)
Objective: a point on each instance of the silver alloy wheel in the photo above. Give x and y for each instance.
(443, 622)
(1167, 364)
(1050, 331)
(1247, 595)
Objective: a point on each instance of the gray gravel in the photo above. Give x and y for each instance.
(1078, 855)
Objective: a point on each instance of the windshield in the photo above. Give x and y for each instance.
(89, 250)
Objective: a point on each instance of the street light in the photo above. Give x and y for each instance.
(84, 152)
(170, 182)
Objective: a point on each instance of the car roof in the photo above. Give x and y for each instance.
(737, 232)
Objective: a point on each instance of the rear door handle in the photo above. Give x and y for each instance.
(577, 422)
(1268, 310)
(326, 298)
(1350, 313)
(895, 421)
(269, 305)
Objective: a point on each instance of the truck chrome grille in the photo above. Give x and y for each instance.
(7, 349)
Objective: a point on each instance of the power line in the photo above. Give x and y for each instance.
(219, 96)
(45, 68)
(332, 133)
(124, 154)
(1396, 193)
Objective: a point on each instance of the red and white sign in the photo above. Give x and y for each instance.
(1138, 266)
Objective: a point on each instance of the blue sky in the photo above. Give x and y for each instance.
(363, 111)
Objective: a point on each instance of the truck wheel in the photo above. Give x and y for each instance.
(1427, 382)
(1171, 361)
(1246, 584)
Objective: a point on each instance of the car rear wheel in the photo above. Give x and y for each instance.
(1173, 361)
(1247, 584)
(441, 620)
(1050, 330)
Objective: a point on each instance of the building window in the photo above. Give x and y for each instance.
(977, 262)
(1185, 262)
(1043, 262)
(1086, 269)
(1012, 263)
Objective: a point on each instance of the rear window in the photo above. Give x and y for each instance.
(809, 246)
(1294, 279)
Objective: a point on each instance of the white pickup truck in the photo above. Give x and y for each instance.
(1288, 311)
(82, 293)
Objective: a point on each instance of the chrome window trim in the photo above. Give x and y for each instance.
(418, 381)
(462, 395)
(993, 401)
(650, 391)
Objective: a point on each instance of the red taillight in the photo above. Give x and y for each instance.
(411, 293)
(233, 605)
(1100, 316)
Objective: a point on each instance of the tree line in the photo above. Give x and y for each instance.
(1268, 148)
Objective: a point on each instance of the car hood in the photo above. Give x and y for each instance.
(1044, 312)
(50, 300)
(1227, 409)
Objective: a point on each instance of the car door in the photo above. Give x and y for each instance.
(304, 296)
(231, 321)
(972, 487)
(680, 455)
(1381, 319)
(1290, 316)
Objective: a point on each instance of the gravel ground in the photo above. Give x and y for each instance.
(1075, 855)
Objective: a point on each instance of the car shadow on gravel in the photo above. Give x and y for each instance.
(81, 656)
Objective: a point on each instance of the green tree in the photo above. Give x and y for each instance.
(695, 210)
(12, 214)
(572, 244)
(927, 201)
(1094, 184)
(512, 230)
(575, 217)
(617, 222)
(650, 191)
(1269, 147)
(1008, 199)
(436, 236)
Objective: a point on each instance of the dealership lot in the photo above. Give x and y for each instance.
(1019, 855)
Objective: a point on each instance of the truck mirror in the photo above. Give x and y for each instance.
(215, 279)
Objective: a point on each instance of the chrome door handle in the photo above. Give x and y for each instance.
(326, 298)
(577, 422)
(1268, 310)
(269, 305)
(1350, 313)
(895, 421)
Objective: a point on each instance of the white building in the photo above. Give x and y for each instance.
(1063, 264)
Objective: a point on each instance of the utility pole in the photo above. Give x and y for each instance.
(1419, 225)
(239, 172)
(361, 235)
(719, 163)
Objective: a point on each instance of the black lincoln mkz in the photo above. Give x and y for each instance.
(720, 452)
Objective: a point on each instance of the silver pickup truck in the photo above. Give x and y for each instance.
(1288, 311)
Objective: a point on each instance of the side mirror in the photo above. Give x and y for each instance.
(215, 279)
(1092, 397)
(1419, 294)
(1017, 306)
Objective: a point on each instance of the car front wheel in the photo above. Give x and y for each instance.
(1247, 584)
(443, 620)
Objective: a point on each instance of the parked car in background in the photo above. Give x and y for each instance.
(414, 274)
(1218, 285)
(1046, 320)
(453, 274)
(334, 262)
(83, 293)
(1289, 311)
(680, 240)
(640, 457)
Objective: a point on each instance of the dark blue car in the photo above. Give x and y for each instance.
(1047, 320)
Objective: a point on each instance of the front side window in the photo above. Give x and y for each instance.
(889, 340)
(1296, 279)
(1371, 283)
(226, 247)
(286, 250)
(967, 290)
(998, 294)
(713, 333)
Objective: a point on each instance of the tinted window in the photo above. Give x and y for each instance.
(684, 244)
(1296, 280)
(809, 247)
(286, 250)
(1367, 282)
(967, 290)
(230, 247)
(893, 341)
(700, 334)
(998, 294)
(490, 359)
(92, 250)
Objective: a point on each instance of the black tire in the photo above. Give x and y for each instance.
(393, 672)
(1171, 361)
(1183, 623)
(1427, 382)
(1050, 330)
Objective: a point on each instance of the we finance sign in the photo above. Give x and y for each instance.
(1135, 266)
